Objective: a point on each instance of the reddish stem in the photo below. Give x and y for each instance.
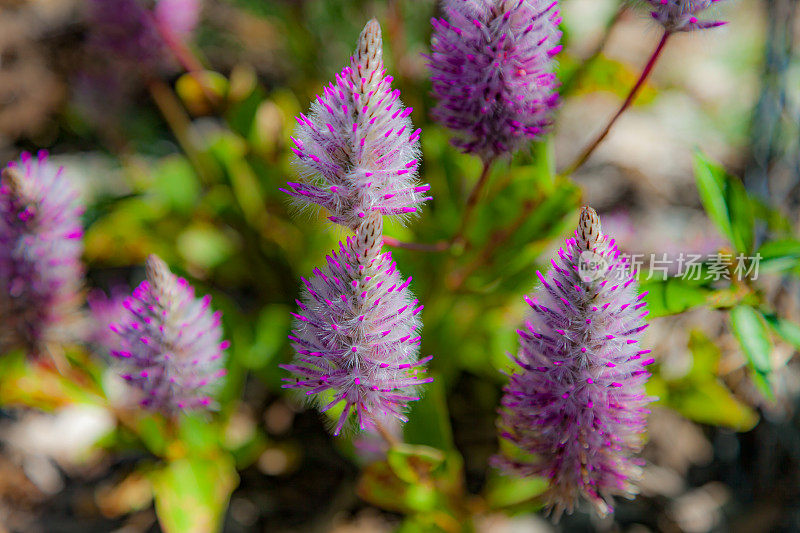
(419, 247)
(472, 201)
(581, 159)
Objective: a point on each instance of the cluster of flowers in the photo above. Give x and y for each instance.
(356, 333)
(168, 340)
(575, 407)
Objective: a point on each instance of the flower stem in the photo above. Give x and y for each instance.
(457, 278)
(472, 201)
(458, 238)
(581, 159)
(186, 57)
(178, 122)
(390, 439)
(419, 247)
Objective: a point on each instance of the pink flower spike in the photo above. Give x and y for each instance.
(564, 401)
(356, 152)
(176, 343)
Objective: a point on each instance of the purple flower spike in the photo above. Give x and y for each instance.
(358, 146)
(40, 253)
(576, 404)
(681, 15)
(356, 334)
(492, 72)
(171, 342)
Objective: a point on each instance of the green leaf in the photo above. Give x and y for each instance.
(789, 331)
(192, 494)
(727, 203)
(699, 395)
(198, 433)
(751, 331)
(705, 356)
(544, 163)
(410, 462)
(176, 183)
(673, 295)
(414, 479)
(710, 180)
(741, 215)
(153, 431)
(507, 491)
(710, 402)
(776, 221)
(782, 254)
(205, 246)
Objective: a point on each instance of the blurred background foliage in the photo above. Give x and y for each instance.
(188, 165)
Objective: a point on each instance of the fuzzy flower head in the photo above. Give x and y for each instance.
(357, 150)
(170, 342)
(681, 15)
(40, 252)
(492, 72)
(576, 407)
(356, 334)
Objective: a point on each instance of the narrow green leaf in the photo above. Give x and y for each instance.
(710, 179)
(192, 494)
(789, 331)
(751, 331)
(741, 214)
(504, 491)
(710, 402)
(777, 255)
(727, 203)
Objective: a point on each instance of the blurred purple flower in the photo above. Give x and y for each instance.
(492, 72)
(577, 405)
(40, 252)
(681, 15)
(125, 30)
(178, 17)
(356, 334)
(104, 309)
(170, 342)
(358, 147)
